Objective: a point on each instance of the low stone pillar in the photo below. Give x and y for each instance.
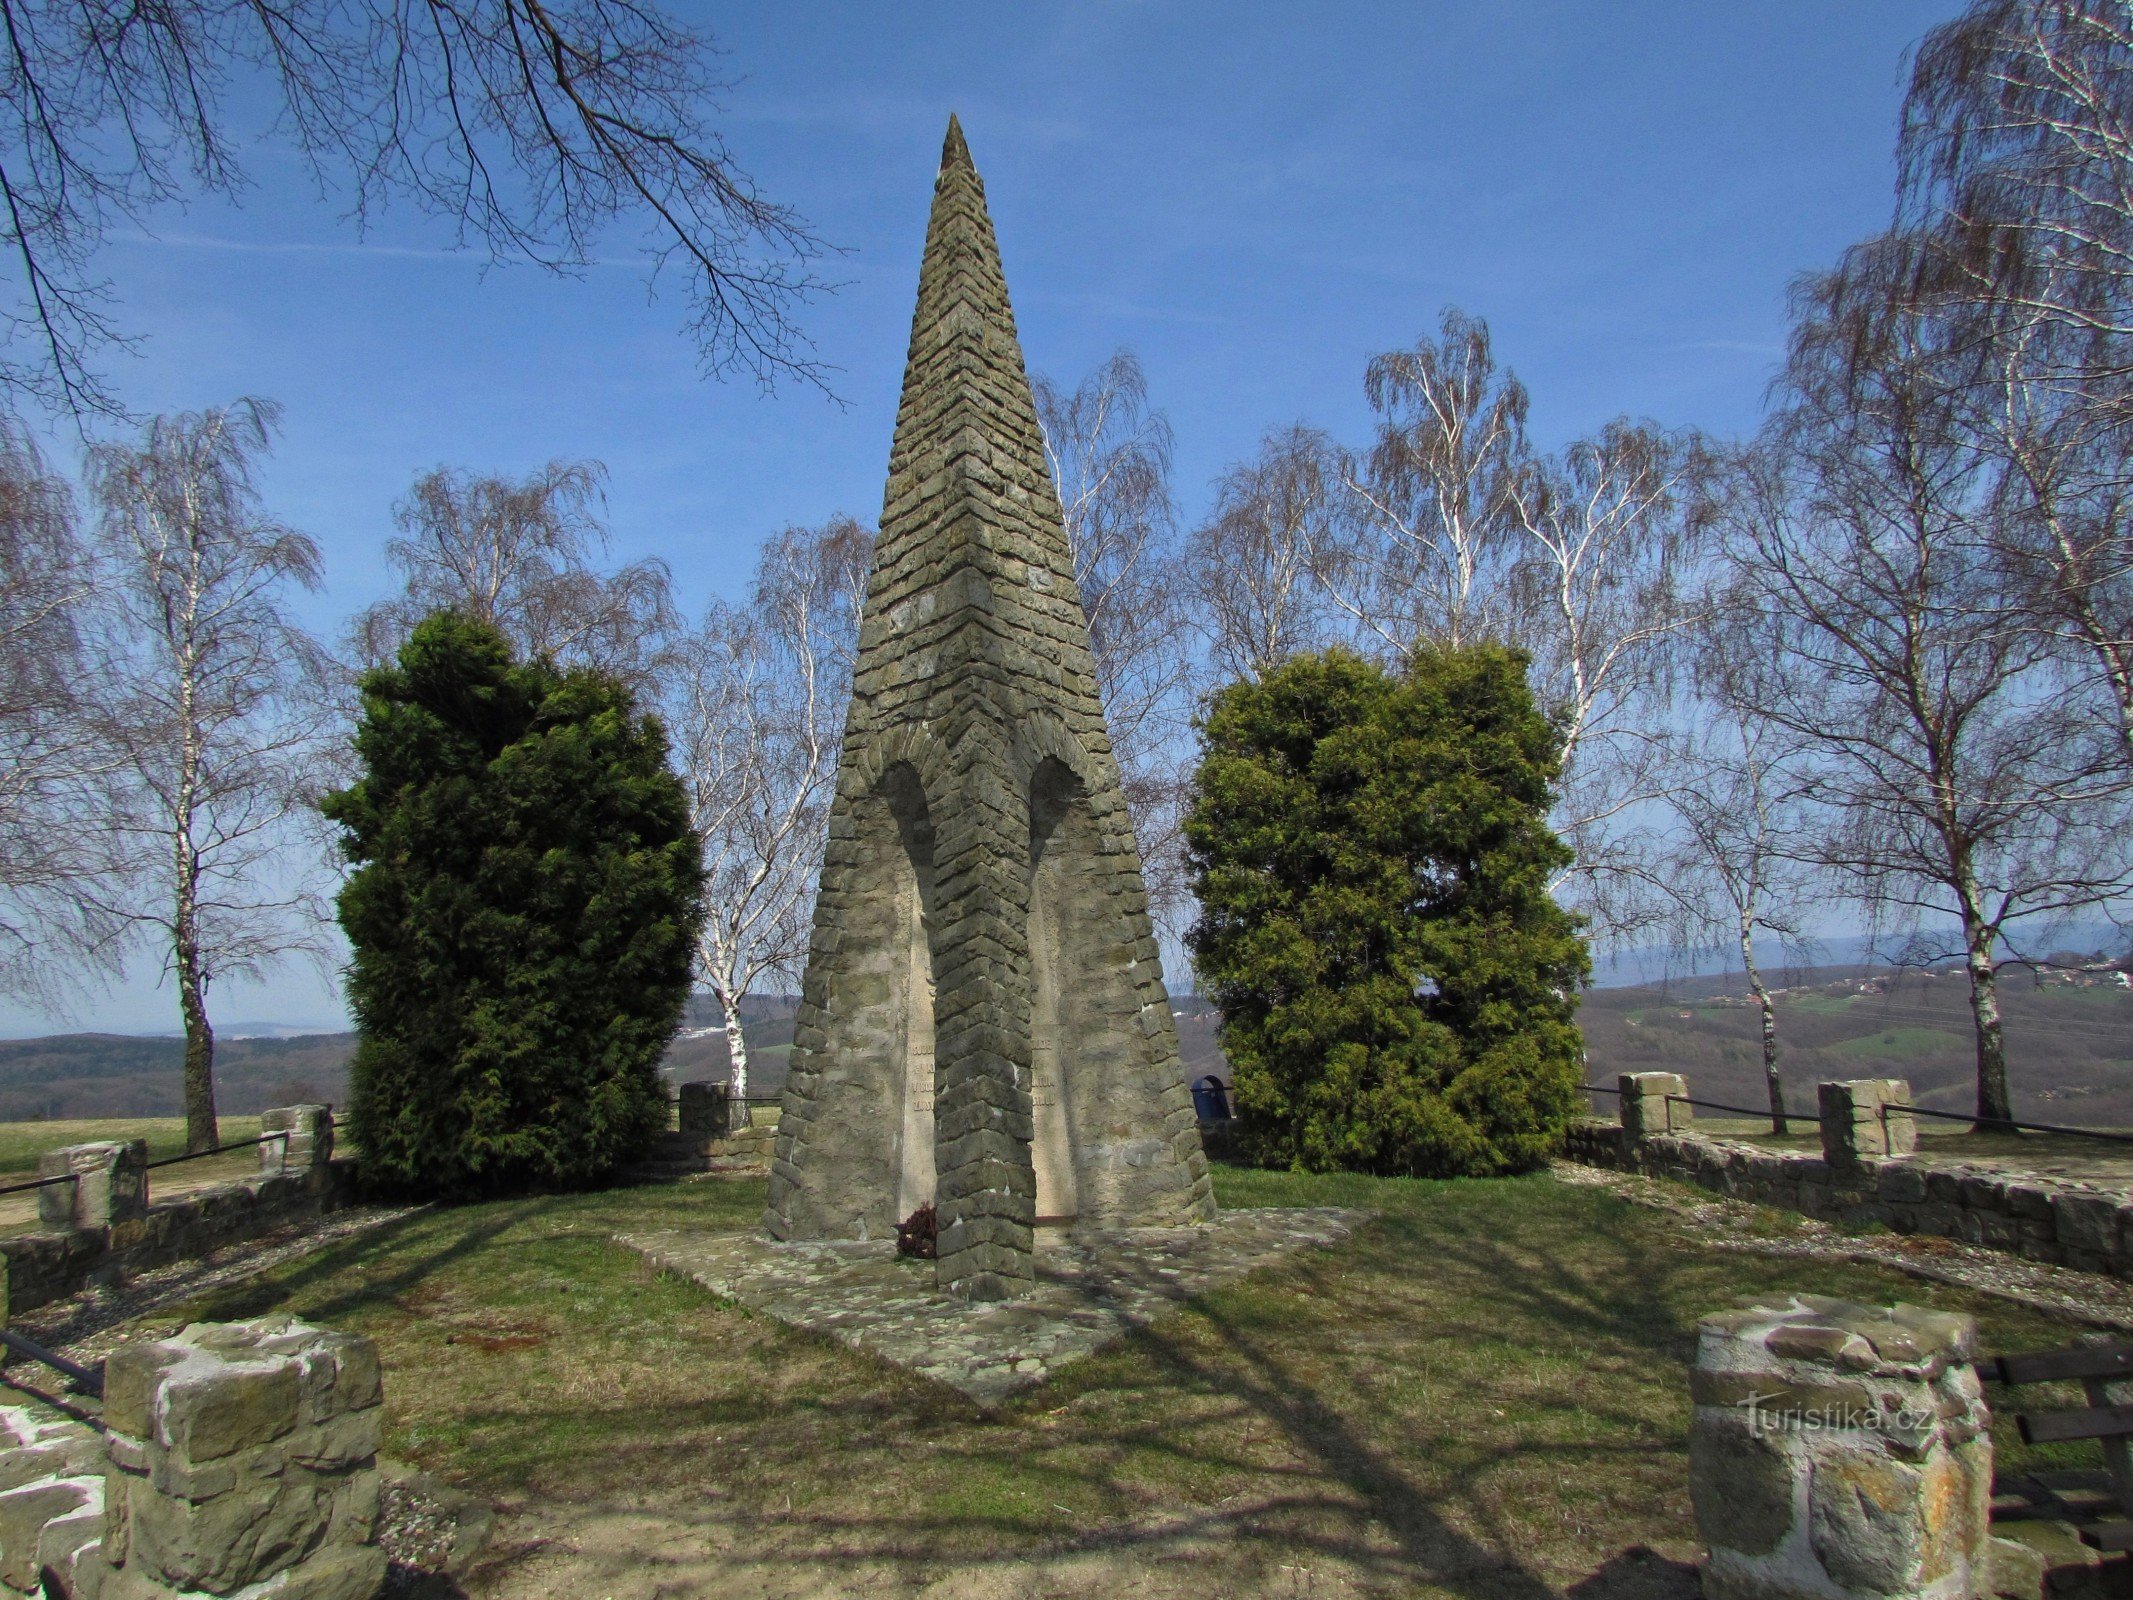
(110, 1184)
(307, 1141)
(707, 1110)
(1839, 1449)
(242, 1452)
(1866, 1117)
(1646, 1110)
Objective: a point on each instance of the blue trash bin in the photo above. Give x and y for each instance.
(1210, 1099)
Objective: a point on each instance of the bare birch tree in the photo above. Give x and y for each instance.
(1736, 859)
(51, 934)
(1427, 551)
(754, 699)
(1457, 531)
(213, 696)
(1604, 588)
(519, 554)
(527, 128)
(1248, 568)
(2017, 196)
(1958, 783)
(1110, 459)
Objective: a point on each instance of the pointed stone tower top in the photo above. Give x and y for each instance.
(955, 153)
(966, 400)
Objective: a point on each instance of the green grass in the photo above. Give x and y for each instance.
(1488, 1384)
(21, 1143)
(1896, 1044)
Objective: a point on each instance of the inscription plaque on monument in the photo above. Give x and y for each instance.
(983, 1022)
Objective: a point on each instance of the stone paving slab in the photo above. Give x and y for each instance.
(1091, 1287)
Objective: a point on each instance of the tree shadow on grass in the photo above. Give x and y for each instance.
(1189, 1403)
(275, 1290)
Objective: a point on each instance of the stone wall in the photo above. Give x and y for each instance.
(103, 1227)
(235, 1459)
(2062, 1222)
(1840, 1450)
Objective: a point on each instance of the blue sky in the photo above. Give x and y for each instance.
(1255, 198)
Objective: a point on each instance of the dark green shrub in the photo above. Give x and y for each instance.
(523, 914)
(1372, 858)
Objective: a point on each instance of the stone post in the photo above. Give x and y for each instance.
(309, 1141)
(706, 1110)
(1646, 1110)
(1839, 1449)
(242, 1452)
(110, 1184)
(1866, 1117)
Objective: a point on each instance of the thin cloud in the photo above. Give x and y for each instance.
(282, 247)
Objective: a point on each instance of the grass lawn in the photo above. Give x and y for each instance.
(21, 1143)
(1483, 1392)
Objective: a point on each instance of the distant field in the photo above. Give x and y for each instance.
(1901, 1044)
(2070, 1048)
(21, 1143)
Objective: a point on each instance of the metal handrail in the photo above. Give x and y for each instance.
(220, 1149)
(2008, 1122)
(39, 1183)
(1762, 1113)
(86, 1378)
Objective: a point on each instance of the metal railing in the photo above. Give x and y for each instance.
(37, 1183)
(89, 1380)
(1995, 1123)
(1760, 1113)
(219, 1150)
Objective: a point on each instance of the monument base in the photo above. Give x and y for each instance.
(1092, 1285)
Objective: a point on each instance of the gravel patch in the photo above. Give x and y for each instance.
(1718, 1223)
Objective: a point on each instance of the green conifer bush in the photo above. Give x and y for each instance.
(1372, 858)
(523, 910)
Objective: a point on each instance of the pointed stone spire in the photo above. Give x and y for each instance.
(983, 1024)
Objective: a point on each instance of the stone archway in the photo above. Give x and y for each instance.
(911, 975)
(1053, 791)
(1099, 1158)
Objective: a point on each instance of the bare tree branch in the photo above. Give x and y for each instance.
(517, 554)
(531, 128)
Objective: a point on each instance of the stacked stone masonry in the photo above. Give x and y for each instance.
(983, 1024)
(1840, 1450)
(236, 1460)
(2061, 1222)
(102, 1226)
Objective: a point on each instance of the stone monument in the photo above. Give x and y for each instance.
(983, 1025)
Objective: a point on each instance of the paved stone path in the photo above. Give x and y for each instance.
(1091, 1287)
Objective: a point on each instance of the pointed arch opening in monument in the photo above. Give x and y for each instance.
(911, 976)
(1089, 1076)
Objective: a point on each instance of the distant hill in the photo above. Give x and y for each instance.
(116, 1075)
(2069, 1038)
(2070, 1043)
(73, 1075)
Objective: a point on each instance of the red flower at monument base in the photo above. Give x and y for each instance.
(916, 1234)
